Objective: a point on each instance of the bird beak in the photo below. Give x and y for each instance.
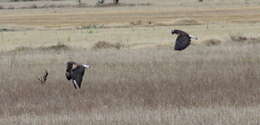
(86, 66)
(193, 37)
(172, 32)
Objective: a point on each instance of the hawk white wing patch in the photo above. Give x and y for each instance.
(86, 66)
(193, 37)
(75, 83)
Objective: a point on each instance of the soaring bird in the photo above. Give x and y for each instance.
(75, 72)
(183, 39)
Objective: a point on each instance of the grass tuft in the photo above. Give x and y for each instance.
(240, 38)
(107, 45)
(57, 47)
(186, 21)
(211, 42)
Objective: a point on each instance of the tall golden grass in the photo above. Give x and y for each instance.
(201, 85)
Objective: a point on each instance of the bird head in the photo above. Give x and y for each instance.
(174, 31)
(178, 32)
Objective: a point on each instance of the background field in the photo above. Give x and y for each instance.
(136, 76)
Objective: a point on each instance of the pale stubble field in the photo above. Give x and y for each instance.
(143, 82)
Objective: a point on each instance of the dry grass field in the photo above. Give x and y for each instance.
(136, 77)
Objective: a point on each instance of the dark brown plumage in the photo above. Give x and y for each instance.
(183, 39)
(75, 72)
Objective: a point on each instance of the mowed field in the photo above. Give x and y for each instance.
(136, 76)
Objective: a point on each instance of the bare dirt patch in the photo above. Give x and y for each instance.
(123, 5)
(179, 21)
(88, 16)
